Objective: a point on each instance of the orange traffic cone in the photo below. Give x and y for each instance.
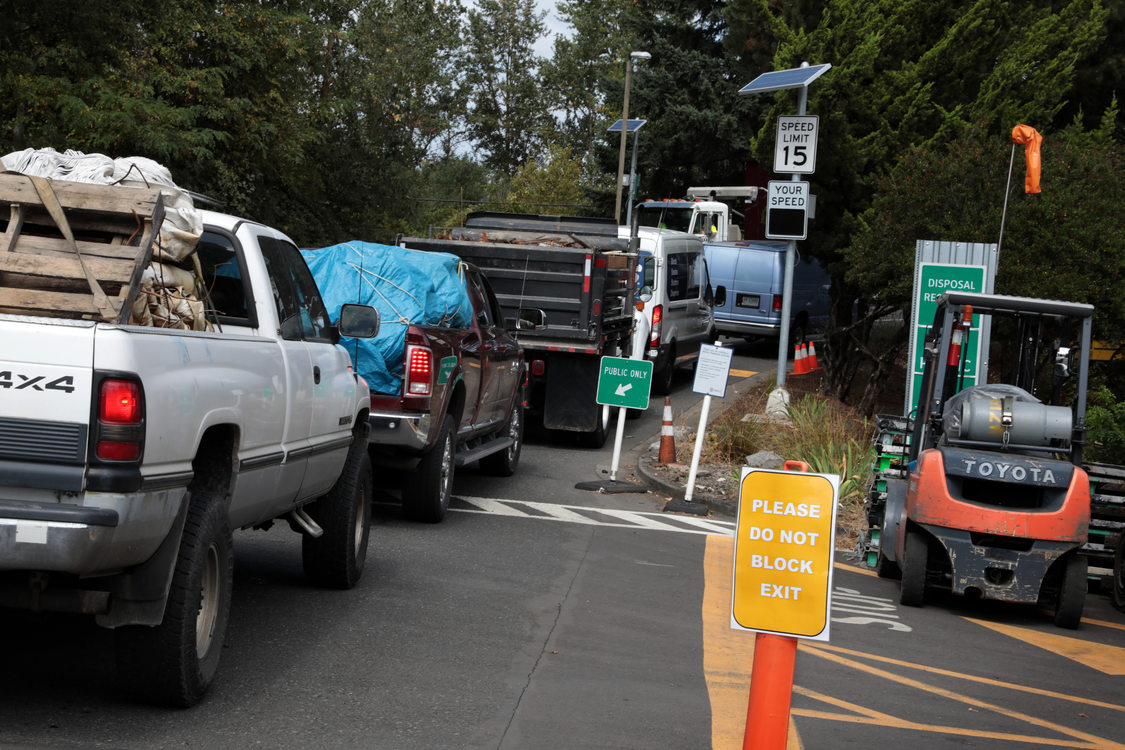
(800, 366)
(667, 436)
(811, 360)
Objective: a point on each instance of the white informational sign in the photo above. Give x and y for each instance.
(712, 370)
(787, 207)
(795, 147)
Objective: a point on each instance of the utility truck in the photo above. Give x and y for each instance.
(704, 212)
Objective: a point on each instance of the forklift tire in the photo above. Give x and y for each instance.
(1119, 574)
(1072, 592)
(886, 568)
(914, 559)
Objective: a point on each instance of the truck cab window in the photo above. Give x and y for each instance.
(223, 279)
(299, 307)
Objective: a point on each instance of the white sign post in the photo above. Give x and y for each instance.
(795, 147)
(712, 369)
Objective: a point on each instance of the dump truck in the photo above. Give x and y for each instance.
(566, 287)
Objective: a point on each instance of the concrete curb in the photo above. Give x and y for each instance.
(643, 457)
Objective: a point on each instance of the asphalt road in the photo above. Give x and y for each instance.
(538, 615)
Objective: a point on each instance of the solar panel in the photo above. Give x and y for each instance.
(634, 126)
(776, 80)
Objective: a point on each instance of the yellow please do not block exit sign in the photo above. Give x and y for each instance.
(783, 553)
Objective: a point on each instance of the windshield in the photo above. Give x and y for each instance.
(664, 217)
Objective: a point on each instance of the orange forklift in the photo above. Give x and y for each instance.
(981, 492)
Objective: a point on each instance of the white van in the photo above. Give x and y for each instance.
(675, 289)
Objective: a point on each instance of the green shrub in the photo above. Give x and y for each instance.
(1105, 421)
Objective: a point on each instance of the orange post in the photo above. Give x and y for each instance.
(771, 692)
(771, 681)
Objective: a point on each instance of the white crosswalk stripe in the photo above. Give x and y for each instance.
(625, 519)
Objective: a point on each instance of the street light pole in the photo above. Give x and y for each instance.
(625, 120)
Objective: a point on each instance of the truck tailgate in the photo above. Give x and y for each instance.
(45, 389)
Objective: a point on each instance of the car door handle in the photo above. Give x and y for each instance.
(316, 374)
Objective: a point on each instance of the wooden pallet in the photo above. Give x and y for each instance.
(74, 250)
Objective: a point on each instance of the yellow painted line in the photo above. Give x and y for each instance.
(741, 373)
(895, 722)
(1104, 623)
(864, 715)
(854, 569)
(967, 677)
(1104, 658)
(728, 655)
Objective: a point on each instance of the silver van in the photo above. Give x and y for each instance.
(675, 288)
(748, 277)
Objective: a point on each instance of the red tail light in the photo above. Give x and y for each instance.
(419, 371)
(120, 420)
(538, 367)
(777, 303)
(657, 316)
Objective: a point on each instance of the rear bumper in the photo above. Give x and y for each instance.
(997, 572)
(748, 328)
(98, 534)
(410, 432)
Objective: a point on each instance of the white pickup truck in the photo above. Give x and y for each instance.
(129, 453)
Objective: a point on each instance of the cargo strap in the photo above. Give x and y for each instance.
(55, 209)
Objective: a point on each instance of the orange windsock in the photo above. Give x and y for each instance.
(1030, 139)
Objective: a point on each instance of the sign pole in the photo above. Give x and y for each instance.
(617, 444)
(790, 267)
(698, 448)
(771, 692)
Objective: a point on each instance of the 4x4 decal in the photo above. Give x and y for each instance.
(19, 381)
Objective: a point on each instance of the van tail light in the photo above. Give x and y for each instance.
(657, 317)
(120, 429)
(777, 303)
(538, 367)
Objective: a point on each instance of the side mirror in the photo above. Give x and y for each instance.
(645, 294)
(358, 321)
(709, 296)
(530, 319)
(720, 296)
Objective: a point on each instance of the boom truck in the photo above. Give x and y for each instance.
(702, 212)
(566, 286)
(982, 490)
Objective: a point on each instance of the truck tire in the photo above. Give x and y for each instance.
(336, 558)
(914, 559)
(504, 463)
(426, 494)
(174, 663)
(597, 438)
(1072, 592)
(1119, 574)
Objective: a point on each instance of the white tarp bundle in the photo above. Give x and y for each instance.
(169, 295)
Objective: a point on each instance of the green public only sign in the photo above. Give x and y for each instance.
(624, 382)
(933, 280)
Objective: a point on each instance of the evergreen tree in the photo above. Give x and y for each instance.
(507, 115)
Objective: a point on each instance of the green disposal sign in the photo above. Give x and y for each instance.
(933, 280)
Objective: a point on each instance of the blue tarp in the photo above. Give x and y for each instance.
(405, 286)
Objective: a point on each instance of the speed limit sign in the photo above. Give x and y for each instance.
(795, 147)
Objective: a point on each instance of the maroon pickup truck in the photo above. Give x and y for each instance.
(447, 387)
